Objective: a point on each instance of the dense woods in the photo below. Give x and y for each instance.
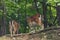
(20, 10)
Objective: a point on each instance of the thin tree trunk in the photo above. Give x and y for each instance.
(50, 24)
(58, 14)
(25, 17)
(44, 13)
(35, 1)
(3, 19)
(0, 26)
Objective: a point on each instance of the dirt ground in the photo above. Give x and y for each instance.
(47, 35)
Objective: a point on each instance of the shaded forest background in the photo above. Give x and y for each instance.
(19, 10)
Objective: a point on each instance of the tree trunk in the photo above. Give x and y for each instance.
(3, 28)
(25, 17)
(0, 26)
(35, 3)
(44, 13)
(58, 14)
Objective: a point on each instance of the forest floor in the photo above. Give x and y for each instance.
(42, 35)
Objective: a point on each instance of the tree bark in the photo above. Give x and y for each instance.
(58, 14)
(25, 24)
(44, 13)
(35, 3)
(3, 28)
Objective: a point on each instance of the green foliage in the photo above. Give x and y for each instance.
(27, 8)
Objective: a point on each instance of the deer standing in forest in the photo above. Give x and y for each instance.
(35, 20)
(13, 27)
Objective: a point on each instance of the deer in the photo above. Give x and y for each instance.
(35, 20)
(13, 27)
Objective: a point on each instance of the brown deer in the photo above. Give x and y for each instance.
(35, 20)
(13, 27)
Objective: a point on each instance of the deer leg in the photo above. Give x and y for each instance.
(14, 31)
(10, 28)
(11, 31)
(17, 31)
